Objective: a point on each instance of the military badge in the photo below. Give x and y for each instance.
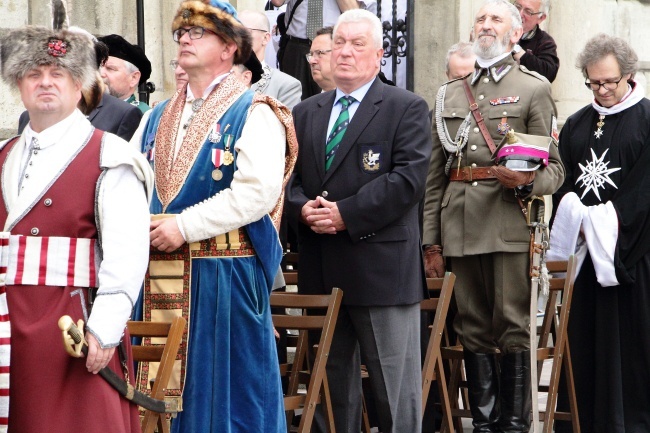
(215, 134)
(371, 159)
(499, 73)
(503, 127)
(504, 100)
(555, 135)
(228, 157)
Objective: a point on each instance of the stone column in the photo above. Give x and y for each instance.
(436, 29)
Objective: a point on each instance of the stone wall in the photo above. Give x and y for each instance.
(571, 23)
(438, 25)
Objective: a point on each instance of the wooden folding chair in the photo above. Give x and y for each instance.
(319, 313)
(556, 318)
(555, 321)
(440, 290)
(165, 354)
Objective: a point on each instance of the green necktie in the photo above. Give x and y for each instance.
(338, 130)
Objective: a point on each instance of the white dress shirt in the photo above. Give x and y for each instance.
(122, 208)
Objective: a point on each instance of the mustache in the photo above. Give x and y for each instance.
(487, 33)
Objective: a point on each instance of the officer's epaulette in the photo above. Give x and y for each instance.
(533, 73)
(459, 78)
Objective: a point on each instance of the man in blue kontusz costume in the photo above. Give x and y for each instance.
(221, 159)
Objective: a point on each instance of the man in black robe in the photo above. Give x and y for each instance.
(604, 217)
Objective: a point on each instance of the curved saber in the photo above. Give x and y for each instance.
(75, 345)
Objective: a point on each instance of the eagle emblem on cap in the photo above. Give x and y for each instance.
(186, 14)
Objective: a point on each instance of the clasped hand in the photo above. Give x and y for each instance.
(322, 216)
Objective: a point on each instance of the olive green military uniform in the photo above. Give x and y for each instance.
(479, 223)
(141, 105)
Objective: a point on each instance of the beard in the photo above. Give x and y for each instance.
(497, 47)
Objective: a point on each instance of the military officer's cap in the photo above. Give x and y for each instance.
(523, 152)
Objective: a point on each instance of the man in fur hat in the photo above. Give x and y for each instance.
(221, 159)
(126, 68)
(74, 242)
(104, 111)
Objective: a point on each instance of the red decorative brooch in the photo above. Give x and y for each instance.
(57, 48)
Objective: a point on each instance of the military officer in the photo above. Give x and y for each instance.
(472, 214)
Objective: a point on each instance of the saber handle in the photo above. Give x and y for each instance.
(73, 339)
(75, 344)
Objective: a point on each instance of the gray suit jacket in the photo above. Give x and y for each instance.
(111, 115)
(279, 85)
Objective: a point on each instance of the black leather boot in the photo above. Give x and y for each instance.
(516, 403)
(483, 390)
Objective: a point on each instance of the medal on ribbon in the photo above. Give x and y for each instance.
(217, 160)
(228, 157)
(215, 134)
(503, 127)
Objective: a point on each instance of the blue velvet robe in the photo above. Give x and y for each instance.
(232, 381)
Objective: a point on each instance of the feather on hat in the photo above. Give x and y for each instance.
(218, 17)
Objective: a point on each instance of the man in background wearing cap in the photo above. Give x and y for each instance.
(219, 155)
(73, 197)
(250, 72)
(473, 217)
(126, 68)
(274, 82)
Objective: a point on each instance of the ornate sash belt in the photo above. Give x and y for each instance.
(167, 295)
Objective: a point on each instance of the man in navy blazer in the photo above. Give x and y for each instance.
(111, 115)
(358, 225)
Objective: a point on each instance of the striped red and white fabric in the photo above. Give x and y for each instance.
(49, 261)
(5, 337)
(43, 261)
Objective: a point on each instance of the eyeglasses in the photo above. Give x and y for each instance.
(316, 53)
(173, 63)
(608, 85)
(257, 30)
(527, 11)
(194, 32)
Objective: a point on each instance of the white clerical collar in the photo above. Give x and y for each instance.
(190, 96)
(53, 134)
(486, 63)
(635, 93)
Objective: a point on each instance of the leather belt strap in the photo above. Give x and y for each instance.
(470, 174)
(473, 106)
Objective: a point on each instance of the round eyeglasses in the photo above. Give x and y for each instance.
(608, 85)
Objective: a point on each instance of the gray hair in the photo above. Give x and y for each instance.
(359, 15)
(601, 46)
(130, 67)
(545, 6)
(462, 49)
(515, 18)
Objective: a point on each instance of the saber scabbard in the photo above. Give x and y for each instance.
(75, 345)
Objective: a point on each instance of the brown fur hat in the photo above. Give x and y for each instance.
(219, 17)
(27, 48)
